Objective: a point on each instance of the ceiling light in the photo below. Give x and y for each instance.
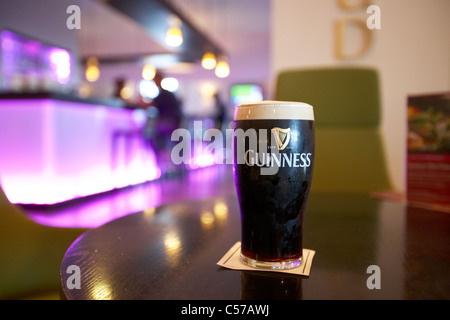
(174, 36)
(92, 61)
(209, 61)
(148, 72)
(92, 73)
(222, 69)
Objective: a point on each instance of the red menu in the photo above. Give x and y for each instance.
(428, 151)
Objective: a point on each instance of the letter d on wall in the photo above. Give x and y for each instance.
(342, 28)
(353, 5)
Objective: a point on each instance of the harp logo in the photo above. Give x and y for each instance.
(282, 137)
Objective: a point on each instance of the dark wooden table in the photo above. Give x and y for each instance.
(170, 253)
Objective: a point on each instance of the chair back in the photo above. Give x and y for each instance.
(30, 254)
(349, 153)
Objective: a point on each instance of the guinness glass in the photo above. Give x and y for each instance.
(273, 144)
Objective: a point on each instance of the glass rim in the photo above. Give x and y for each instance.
(274, 110)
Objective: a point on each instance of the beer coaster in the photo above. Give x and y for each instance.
(232, 260)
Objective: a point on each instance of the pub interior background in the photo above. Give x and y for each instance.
(257, 38)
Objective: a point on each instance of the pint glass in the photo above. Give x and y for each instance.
(273, 145)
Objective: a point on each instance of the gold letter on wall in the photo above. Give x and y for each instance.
(343, 27)
(353, 5)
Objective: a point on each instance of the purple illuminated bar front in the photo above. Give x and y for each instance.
(52, 150)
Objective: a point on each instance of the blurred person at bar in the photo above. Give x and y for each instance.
(119, 84)
(169, 119)
(123, 93)
(221, 111)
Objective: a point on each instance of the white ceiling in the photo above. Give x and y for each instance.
(240, 27)
(107, 33)
(230, 23)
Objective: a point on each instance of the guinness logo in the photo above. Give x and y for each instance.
(282, 137)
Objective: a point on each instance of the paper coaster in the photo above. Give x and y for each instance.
(232, 260)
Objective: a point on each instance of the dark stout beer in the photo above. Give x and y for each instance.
(273, 165)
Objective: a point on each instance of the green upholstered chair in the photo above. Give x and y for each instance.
(30, 254)
(349, 154)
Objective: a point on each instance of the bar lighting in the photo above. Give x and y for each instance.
(92, 71)
(169, 84)
(222, 68)
(208, 90)
(32, 65)
(127, 91)
(148, 72)
(148, 89)
(174, 36)
(60, 64)
(209, 61)
(201, 158)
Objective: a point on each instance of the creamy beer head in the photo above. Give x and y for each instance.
(274, 110)
(273, 150)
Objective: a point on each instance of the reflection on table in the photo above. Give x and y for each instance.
(170, 252)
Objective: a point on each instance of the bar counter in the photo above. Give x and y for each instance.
(57, 147)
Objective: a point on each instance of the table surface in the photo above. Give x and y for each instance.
(171, 252)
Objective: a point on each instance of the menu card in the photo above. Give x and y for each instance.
(428, 151)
